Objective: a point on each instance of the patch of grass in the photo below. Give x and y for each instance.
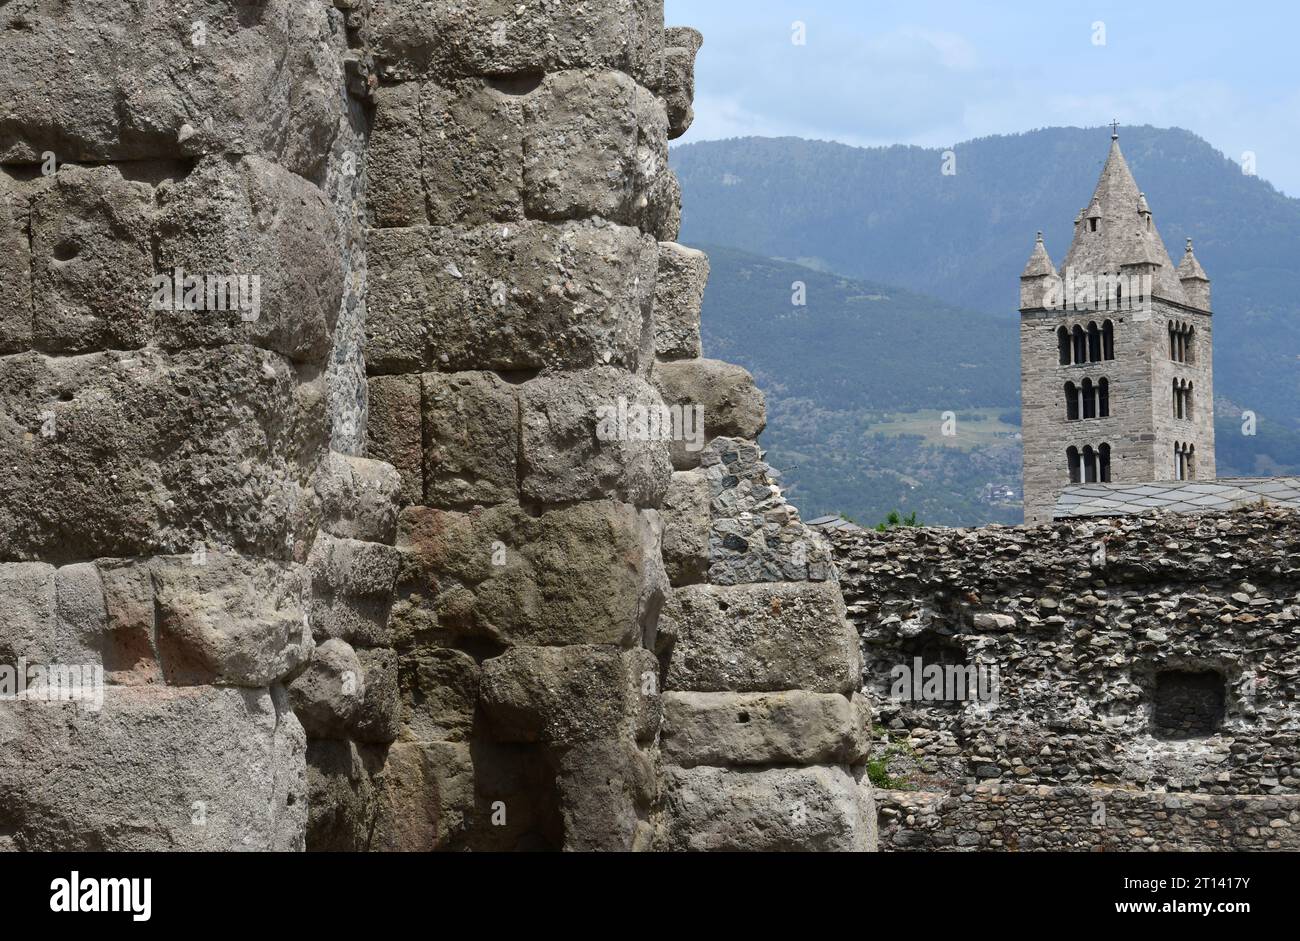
(975, 428)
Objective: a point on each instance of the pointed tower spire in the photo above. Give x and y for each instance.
(1118, 230)
(1038, 279)
(1196, 283)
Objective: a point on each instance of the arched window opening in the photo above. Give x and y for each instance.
(1089, 399)
(1173, 348)
(1190, 462)
(1103, 463)
(1071, 402)
(1089, 465)
(1103, 398)
(1094, 343)
(1092, 225)
(1179, 469)
(1108, 340)
(1189, 348)
(1063, 345)
(1080, 346)
(1072, 461)
(1187, 400)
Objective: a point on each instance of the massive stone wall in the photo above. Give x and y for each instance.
(1152, 655)
(366, 564)
(163, 457)
(1009, 817)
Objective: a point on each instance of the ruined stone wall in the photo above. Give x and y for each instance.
(163, 451)
(364, 570)
(1152, 654)
(1009, 817)
(524, 282)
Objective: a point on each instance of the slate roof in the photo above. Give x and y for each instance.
(829, 523)
(1176, 496)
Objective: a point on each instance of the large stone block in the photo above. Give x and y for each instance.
(230, 620)
(130, 645)
(114, 80)
(763, 638)
(687, 518)
(679, 291)
(52, 616)
(426, 797)
(508, 296)
(118, 454)
(471, 428)
(352, 589)
(156, 769)
(358, 498)
(396, 431)
(570, 575)
(583, 439)
(606, 790)
(341, 797)
(27, 617)
(379, 719)
(677, 81)
(413, 38)
(763, 810)
(326, 695)
(439, 690)
(788, 728)
(473, 149)
(91, 261)
(81, 614)
(663, 216)
(353, 567)
(266, 232)
(394, 159)
(15, 264)
(565, 695)
(595, 144)
(732, 404)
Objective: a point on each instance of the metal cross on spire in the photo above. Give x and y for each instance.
(1114, 130)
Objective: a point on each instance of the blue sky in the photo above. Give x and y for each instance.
(936, 73)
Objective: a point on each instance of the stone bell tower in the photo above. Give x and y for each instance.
(1116, 369)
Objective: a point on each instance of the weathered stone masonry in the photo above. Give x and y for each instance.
(361, 574)
(1146, 669)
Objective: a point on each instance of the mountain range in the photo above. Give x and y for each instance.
(911, 275)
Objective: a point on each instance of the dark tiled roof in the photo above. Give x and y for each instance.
(1176, 496)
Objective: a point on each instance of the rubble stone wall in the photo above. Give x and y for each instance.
(1007, 817)
(1152, 654)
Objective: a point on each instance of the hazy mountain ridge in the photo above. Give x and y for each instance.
(890, 215)
(858, 379)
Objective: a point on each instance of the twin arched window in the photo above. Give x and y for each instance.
(1093, 344)
(1184, 461)
(1087, 400)
(1089, 465)
(1182, 342)
(1182, 398)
